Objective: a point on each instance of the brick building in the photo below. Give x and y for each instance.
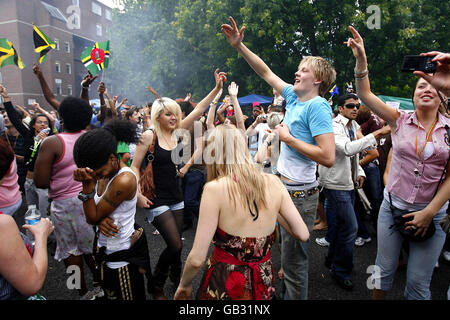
(72, 24)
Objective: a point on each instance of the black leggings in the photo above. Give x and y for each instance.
(169, 225)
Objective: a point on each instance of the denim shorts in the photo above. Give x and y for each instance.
(153, 213)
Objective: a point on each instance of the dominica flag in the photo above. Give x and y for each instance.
(42, 43)
(97, 57)
(8, 55)
(334, 90)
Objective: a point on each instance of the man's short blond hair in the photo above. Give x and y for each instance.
(323, 71)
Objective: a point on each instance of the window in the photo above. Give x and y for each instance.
(96, 8)
(76, 3)
(57, 44)
(68, 68)
(108, 15)
(69, 90)
(99, 30)
(67, 45)
(58, 67)
(31, 101)
(58, 83)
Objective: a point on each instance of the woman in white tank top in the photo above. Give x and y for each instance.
(109, 197)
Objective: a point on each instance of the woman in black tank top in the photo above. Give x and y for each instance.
(165, 210)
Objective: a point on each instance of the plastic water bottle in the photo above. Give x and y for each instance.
(32, 217)
(113, 243)
(37, 138)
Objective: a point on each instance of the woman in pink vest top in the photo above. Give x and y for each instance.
(54, 170)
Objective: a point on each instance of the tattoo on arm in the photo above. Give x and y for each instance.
(110, 202)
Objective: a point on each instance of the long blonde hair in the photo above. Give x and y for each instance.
(227, 156)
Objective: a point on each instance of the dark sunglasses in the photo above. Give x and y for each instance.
(352, 105)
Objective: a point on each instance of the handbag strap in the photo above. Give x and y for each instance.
(151, 149)
(445, 167)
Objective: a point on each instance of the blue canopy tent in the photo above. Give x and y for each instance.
(248, 100)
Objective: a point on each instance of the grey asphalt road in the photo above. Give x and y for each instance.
(321, 286)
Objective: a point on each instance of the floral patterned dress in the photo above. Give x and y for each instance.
(238, 269)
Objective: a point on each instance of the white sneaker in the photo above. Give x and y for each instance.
(446, 255)
(322, 242)
(93, 294)
(361, 241)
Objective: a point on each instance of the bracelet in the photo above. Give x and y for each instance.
(362, 72)
(363, 77)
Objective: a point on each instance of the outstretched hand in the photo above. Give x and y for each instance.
(233, 34)
(233, 89)
(441, 78)
(88, 79)
(357, 45)
(37, 70)
(219, 76)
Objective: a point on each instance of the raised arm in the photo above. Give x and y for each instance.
(153, 91)
(212, 111)
(38, 108)
(13, 115)
(85, 83)
(375, 104)
(101, 94)
(203, 105)
(48, 94)
(235, 38)
(233, 90)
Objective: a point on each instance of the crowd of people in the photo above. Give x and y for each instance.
(249, 181)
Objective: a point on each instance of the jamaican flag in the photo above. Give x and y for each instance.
(96, 58)
(42, 43)
(8, 54)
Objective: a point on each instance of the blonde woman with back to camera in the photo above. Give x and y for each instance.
(238, 212)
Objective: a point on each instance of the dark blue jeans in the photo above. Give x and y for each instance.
(192, 184)
(372, 187)
(340, 251)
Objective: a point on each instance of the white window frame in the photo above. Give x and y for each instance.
(108, 14)
(76, 3)
(98, 27)
(96, 8)
(57, 44)
(58, 67)
(68, 68)
(58, 83)
(67, 47)
(69, 90)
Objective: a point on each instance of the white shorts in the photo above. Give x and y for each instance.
(74, 236)
(153, 213)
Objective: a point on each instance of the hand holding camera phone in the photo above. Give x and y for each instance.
(419, 63)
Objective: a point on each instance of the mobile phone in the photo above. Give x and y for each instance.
(418, 63)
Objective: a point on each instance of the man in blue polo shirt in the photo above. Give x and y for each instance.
(306, 139)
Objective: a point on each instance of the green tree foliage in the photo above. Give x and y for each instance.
(175, 45)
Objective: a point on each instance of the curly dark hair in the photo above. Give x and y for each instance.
(33, 121)
(94, 147)
(75, 113)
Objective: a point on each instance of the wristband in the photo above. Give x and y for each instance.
(362, 72)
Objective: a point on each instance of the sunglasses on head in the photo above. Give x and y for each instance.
(352, 106)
